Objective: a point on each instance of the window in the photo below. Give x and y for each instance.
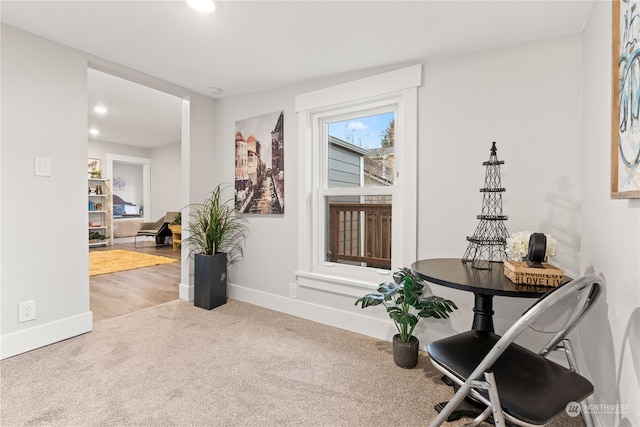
(358, 154)
(358, 200)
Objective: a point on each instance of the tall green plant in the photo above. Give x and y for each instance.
(215, 227)
(405, 304)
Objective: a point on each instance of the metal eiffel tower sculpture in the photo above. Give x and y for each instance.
(489, 241)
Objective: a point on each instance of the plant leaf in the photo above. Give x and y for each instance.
(389, 290)
(404, 302)
(370, 300)
(435, 306)
(402, 317)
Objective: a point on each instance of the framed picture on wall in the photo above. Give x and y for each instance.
(259, 165)
(625, 111)
(119, 183)
(94, 168)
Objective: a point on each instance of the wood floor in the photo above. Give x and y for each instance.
(119, 293)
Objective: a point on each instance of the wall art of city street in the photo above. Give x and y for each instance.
(259, 164)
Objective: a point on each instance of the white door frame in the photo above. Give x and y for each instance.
(146, 176)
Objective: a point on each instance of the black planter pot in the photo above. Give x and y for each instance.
(405, 354)
(210, 280)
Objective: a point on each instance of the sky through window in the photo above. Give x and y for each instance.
(365, 132)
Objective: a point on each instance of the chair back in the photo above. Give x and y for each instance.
(558, 312)
(170, 216)
(567, 310)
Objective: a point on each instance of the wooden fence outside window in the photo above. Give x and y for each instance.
(361, 233)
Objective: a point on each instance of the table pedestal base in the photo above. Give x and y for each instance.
(482, 312)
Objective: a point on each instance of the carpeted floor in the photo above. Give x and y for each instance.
(112, 261)
(237, 365)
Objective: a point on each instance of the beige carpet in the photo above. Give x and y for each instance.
(103, 262)
(236, 365)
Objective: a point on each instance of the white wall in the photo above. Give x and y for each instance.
(132, 173)
(165, 180)
(546, 104)
(271, 245)
(529, 99)
(610, 244)
(526, 98)
(100, 149)
(44, 219)
(43, 246)
(200, 174)
(265, 274)
(165, 172)
(133, 191)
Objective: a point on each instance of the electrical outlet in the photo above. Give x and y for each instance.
(26, 311)
(293, 290)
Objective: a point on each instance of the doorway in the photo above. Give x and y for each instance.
(136, 128)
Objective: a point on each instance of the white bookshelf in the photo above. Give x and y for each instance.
(99, 212)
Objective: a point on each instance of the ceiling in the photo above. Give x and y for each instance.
(250, 46)
(137, 115)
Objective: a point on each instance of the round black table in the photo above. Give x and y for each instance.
(484, 284)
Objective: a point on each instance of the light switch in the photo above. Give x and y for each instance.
(42, 166)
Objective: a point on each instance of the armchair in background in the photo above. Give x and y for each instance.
(159, 229)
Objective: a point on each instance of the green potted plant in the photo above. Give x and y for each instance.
(176, 231)
(177, 220)
(216, 237)
(405, 304)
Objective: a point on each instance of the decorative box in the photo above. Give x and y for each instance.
(519, 272)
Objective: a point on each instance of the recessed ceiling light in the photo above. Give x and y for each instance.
(215, 90)
(94, 131)
(202, 5)
(100, 109)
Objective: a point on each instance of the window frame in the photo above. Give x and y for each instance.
(397, 89)
(321, 192)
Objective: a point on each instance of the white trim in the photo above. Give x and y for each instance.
(185, 290)
(304, 191)
(32, 338)
(361, 191)
(398, 88)
(146, 177)
(337, 284)
(369, 87)
(373, 327)
(380, 328)
(128, 159)
(407, 177)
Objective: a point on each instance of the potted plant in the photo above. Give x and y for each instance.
(177, 220)
(216, 238)
(176, 231)
(406, 306)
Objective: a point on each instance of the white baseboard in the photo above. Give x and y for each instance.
(379, 328)
(117, 240)
(376, 328)
(38, 336)
(185, 292)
